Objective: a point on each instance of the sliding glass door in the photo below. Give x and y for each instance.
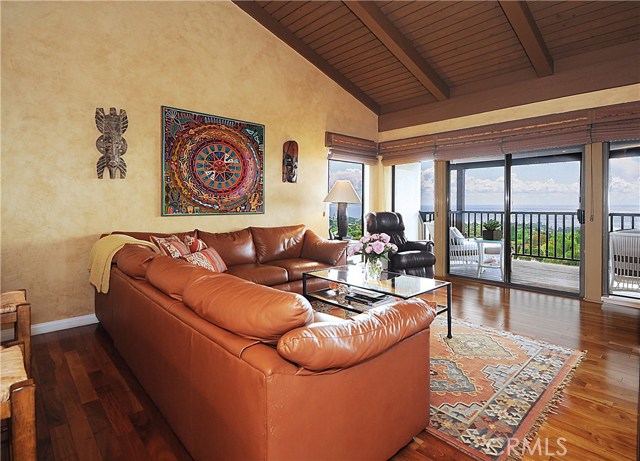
(623, 223)
(477, 198)
(545, 231)
(533, 200)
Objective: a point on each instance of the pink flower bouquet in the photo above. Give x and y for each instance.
(373, 246)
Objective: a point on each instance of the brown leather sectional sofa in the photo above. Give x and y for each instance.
(242, 371)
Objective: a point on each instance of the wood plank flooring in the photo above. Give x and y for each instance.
(90, 406)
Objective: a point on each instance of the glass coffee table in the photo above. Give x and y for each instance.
(350, 290)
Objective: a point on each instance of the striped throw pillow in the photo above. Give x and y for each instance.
(207, 258)
(170, 246)
(194, 244)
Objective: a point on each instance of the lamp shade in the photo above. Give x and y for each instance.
(342, 192)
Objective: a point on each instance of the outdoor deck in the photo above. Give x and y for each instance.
(549, 276)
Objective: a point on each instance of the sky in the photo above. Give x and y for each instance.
(552, 187)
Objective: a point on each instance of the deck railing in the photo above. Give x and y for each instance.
(544, 235)
(623, 221)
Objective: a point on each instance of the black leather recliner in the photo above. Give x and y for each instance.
(413, 257)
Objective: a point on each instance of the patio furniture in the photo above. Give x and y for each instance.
(413, 257)
(17, 406)
(462, 250)
(624, 260)
(492, 252)
(15, 310)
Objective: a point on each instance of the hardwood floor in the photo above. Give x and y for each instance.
(90, 407)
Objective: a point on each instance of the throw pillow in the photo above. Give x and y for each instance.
(207, 258)
(194, 244)
(170, 246)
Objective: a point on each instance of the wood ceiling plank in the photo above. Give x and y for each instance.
(329, 18)
(582, 17)
(301, 12)
(455, 17)
(597, 26)
(442, 43)
(478, 71)
(393, 90)
(622, 35)
(408, 11)
(352, 43)
(498, 43)
(394, 70)
(333, 30)
(360, 33)
(465, 30)
(525, 27)
(364, 55)
(407, 103)
(357, 68)
(287, 8)
(390, 99)
(314, 17)
(400, 46)
(601, 31)
(284, 34)
(503, 60)
(385, 84)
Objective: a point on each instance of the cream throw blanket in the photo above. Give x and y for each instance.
(102, 254)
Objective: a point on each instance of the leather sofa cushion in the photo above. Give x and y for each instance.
(171, 275)
(274, 243)
(325, 346)
(295, 267)
(234, 247)
(134, 260)
(249, 310)
(259, 273)
(326, 251)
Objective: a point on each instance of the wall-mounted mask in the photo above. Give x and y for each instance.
(111, 144)
(290, 162)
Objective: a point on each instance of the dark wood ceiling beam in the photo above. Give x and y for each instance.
(400, 47)
(259, 14)
(523, 24)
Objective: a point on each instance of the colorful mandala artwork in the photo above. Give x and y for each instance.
(211, 165)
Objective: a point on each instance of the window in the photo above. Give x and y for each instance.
(353, 172)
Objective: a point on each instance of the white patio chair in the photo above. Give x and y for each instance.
(462, 250)
(624, 260)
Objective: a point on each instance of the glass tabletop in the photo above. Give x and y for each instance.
(400, 285)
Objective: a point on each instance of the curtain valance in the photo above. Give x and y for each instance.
(351, 149)
(610, 123)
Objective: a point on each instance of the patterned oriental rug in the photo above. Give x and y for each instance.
(492, 390)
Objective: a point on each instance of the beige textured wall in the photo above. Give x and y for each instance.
(62, 60)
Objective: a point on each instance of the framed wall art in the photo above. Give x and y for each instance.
(211, 165)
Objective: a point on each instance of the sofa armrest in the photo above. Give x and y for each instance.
(333, 252)
(328, 346)
(420, 245)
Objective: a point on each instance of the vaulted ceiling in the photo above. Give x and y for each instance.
(414, 62)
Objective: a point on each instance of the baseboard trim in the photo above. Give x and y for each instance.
(55, 325)
(64, 324)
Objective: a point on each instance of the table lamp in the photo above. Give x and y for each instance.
(342, 193)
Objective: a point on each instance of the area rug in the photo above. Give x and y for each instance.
(491, 390)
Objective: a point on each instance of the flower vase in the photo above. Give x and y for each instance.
(373, 269)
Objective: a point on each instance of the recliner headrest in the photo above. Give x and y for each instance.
(384, 221)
